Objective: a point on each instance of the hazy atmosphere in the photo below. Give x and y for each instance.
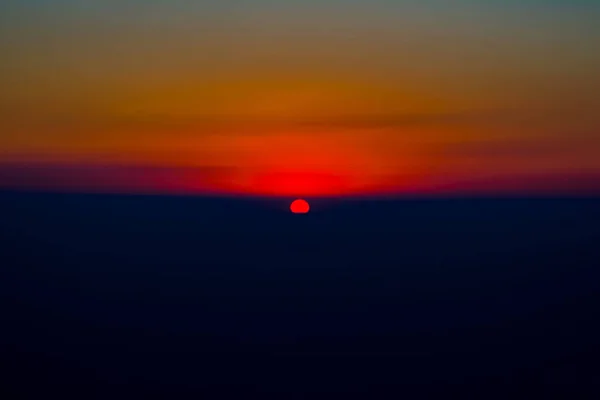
(301, 96)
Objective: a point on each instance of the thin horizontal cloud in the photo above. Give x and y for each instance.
(140, 179)
(109, 177)
(93, 121)
(515, 147)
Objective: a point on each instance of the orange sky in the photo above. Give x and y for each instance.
(304, 98)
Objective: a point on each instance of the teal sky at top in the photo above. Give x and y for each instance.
(52, 8)
(20, 19)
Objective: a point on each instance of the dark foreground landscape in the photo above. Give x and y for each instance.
(168, 296)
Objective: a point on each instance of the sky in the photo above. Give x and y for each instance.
(300, 97)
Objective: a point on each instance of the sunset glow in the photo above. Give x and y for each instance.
(300, 98)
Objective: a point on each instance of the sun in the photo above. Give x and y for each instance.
(299, 206)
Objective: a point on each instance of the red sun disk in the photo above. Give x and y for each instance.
(299, 206)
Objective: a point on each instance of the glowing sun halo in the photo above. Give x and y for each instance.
(299, 206)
